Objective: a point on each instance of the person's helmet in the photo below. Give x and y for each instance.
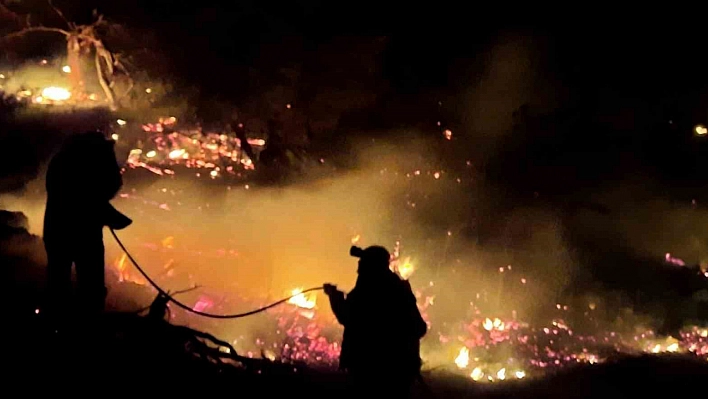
(375, 256)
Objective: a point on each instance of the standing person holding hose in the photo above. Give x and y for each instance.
(382, 327)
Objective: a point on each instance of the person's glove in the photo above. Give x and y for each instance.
(331, 289)
(116, 220)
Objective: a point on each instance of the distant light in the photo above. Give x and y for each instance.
(114, 137)
(36, 311)
(56, 94)
(151, 154)
(44, 62)
(121, 122)
(2, 76)
(701, 130)
(288, 106)
(66, 69)
(214, 173)
(448, 134)
(148, 90)
(38, 99)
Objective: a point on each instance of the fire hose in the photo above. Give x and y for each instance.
(170, 298)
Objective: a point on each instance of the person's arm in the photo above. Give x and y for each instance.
(105, 180)
(338, 303)
(115, 178)
(421, 327)
(114, 219)
(418, 324)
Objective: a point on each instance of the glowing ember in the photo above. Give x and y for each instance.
(463, 358)
(202, 304)
(168, 146)
(56, 94)
(477, 374)
(176, 154)
(495, 324)
(305, 301)
(675, 261)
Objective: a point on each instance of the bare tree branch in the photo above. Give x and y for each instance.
(32, 29)
(61, 14)
(100, 21)
(131, 83)
(185, 290)
(8, 13)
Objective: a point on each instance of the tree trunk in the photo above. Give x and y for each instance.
(76, 78)
(101, 74)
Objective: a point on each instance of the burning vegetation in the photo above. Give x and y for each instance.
(486, 340)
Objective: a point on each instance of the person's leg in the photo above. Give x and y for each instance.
(90, 275)
(362, 385)
(58, 292)
(383, 384)
(397, 385)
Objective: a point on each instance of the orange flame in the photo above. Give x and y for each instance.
(305, 301)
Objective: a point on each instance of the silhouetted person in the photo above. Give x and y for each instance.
(382, 327)
(273, 160)
(81, 180)
(240, 133)
(274, 153)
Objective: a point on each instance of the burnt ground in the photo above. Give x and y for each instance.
(132, 355)
(127, 353)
